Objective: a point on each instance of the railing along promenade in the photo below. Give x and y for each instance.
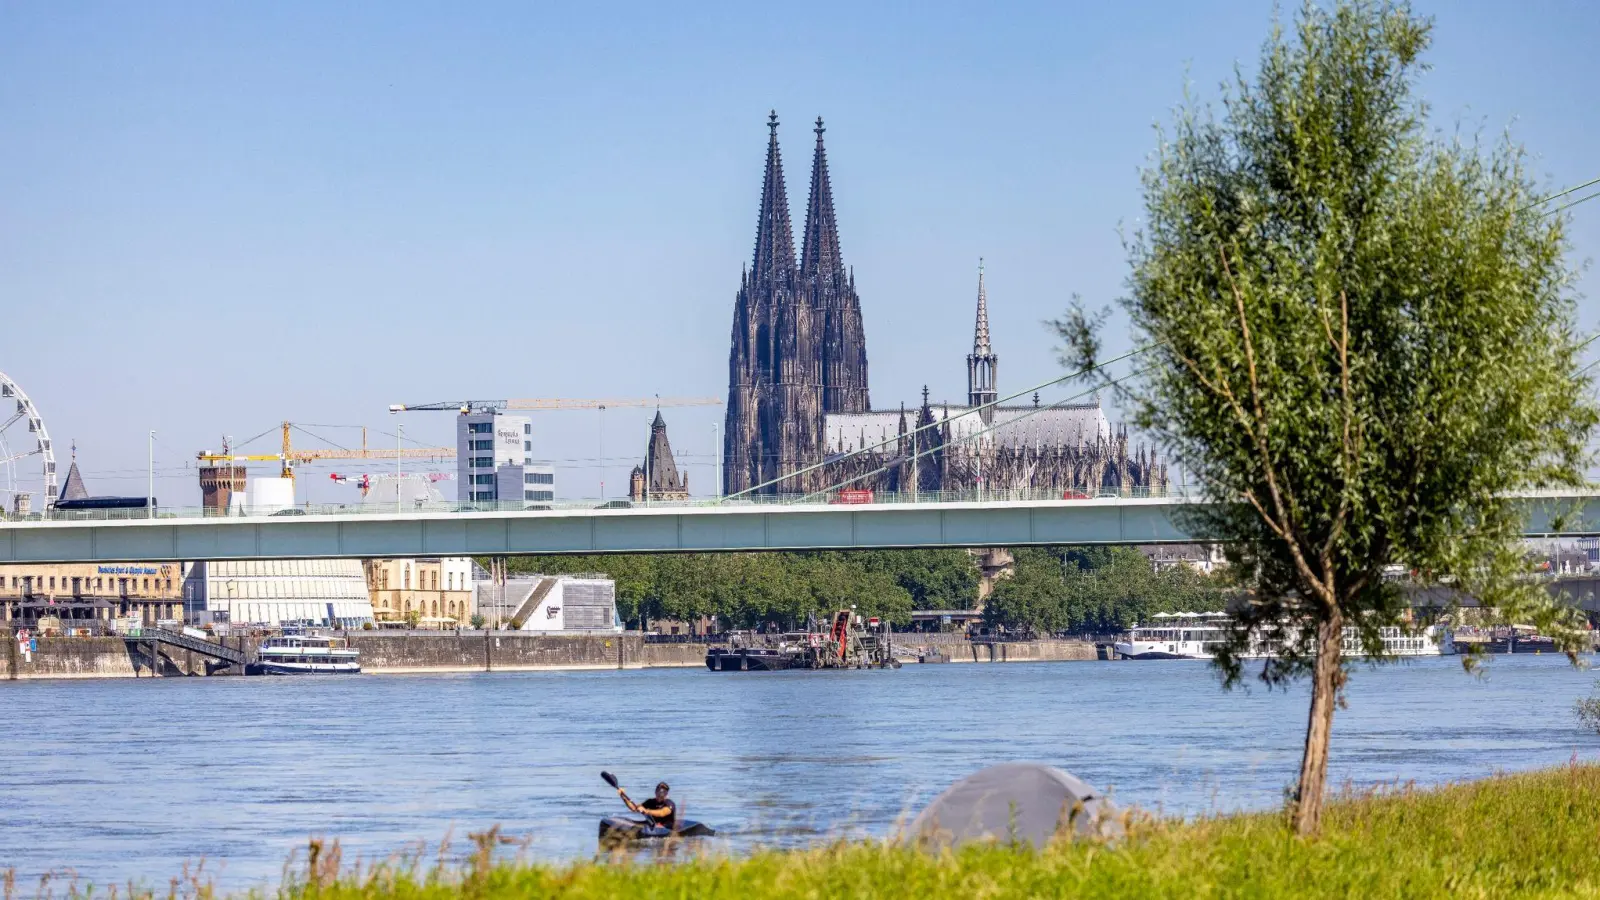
(766, 522)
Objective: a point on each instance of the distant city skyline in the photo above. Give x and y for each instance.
(220, 219)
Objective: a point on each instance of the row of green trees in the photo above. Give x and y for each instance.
(1054, 589)
(749, 590)
(1095, 589)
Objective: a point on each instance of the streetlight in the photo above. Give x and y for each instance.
(716, 456)
(150, 496)
(602, 453)
(399, 439)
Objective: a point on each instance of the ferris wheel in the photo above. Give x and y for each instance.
(27, 463)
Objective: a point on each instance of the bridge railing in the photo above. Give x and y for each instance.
(845, 499)
(842, 500)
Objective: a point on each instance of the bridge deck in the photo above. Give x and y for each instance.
(676, 528)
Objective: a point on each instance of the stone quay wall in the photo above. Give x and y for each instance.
(508, 652)
(471, 651)
(97, 657)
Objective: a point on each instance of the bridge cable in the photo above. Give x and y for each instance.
(1572, 204)
(1559, 194)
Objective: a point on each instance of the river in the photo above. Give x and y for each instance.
(124, 779)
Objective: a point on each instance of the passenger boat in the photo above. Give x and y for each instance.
(305, 654)
(626, 829)
(1201, 635)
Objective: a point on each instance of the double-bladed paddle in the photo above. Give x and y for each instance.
(612, 780)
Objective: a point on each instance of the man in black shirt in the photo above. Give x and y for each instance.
(659, 809)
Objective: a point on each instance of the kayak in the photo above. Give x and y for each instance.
(631, 828)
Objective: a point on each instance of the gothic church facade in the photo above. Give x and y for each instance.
(799, 417)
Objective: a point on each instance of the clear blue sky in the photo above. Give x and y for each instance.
(217, 216)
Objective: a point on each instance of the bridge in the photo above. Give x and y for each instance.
(889, 522)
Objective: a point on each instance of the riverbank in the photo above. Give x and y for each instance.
(481, 651)
(1530, 834)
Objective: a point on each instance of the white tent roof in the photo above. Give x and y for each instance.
(1025, 802)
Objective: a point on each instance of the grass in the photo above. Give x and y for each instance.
(1534, 834)
(1529, 835)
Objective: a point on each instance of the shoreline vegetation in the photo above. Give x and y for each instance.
(1529, 833)
(1048, 590)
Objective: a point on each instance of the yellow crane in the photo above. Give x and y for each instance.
(290, 457)
(550, 403)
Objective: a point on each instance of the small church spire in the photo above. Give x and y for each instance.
(983, 366)
(980, 333)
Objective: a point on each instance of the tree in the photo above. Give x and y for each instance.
(478, 621)
(935, 579)
(1361, 340)
(1097, 589)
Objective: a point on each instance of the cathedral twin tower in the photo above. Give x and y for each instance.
(799, 351)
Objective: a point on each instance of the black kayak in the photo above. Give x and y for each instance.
(631, 828)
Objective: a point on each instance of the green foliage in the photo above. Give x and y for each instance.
(1362, 342)
(1517, 835)
(748, 590)
(1588, 710)
(1095, 589)
(935, 579)
(1362, 336)
(478, 621)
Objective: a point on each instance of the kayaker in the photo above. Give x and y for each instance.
(659, 809)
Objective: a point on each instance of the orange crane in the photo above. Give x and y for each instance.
(290, 457)
(550, 403)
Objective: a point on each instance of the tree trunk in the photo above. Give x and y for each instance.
(1327, 678)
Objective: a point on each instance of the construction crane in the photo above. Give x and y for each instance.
(550, 403)
(290, 457)
(363, 482)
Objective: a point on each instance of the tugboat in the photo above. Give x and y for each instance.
(305, 654)
(849, 643)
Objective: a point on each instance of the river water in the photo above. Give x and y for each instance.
(121, 779)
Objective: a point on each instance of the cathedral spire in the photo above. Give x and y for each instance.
(983, 366)
(774, 256)
(820, 253)
(980, 334)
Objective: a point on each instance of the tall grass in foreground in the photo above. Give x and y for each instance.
(1533, 834)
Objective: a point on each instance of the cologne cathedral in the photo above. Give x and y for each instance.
(799, 418)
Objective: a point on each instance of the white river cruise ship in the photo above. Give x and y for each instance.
(1199, 635)
(305, 654)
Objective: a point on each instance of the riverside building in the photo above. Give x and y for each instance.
(86, 595)
(276, 592)
(549, 603)
(494, 461)
(431, 592)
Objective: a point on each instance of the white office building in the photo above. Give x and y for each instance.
(494, 461)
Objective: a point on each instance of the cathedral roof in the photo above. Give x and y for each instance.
(1014, 426)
